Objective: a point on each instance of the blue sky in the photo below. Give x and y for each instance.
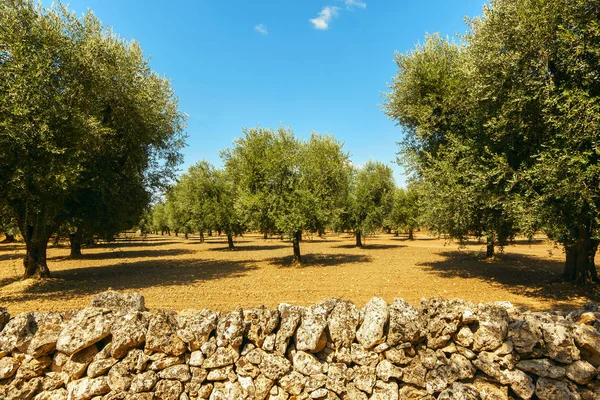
(313, 65)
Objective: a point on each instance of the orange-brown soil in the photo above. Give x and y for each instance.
(175, 273)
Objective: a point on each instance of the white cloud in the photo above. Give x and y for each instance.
(322, 21)
(354, 3)
(262, 29)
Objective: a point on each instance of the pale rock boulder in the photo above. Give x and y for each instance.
(362, 356)
(289, 319)
(262, 386)
(195, 327)
(261, 322)
(460, 391)
(57, 394)
(160, 361)
(179, 372)
(168, 390)
(8, 367)
(525, 333)
(442, 320)
(415, 373)
(342, 323)
(405, 323)
(492, 327)
(293, 383)
(542, 367)
(386, 370)
(490, 390)
(87, 388)
(119, 302)
(128, 331)
(143, 382)
(78, 363)
(119, 378)
(222, 357)
(86, 328)
(352, 393)
(581, 372)
(100, 367)
(219, 374)
(464, 337)
(550, 389)
(308, 364)
(44, 340)
(397, 356)
(18, 332)
(371, 331)
(385, 391)
(408, 392)
(310, 335)
(336, 378)
(365, 378)
(315, 382)
(273, 366)
(230, 329)
(560, 345)
(161, 336)
(588, 340)
(32, 367)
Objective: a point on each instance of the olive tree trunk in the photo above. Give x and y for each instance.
(230, 240)
(358, 236)
(580, 266)
(35, 256)
(76, 239)
(296, 241)
(490, 245)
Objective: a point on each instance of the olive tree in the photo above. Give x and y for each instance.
(72, 93)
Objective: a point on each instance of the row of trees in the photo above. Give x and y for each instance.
(502, 128)
(275, 183)
(87, 130)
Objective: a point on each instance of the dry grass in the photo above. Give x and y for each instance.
(174, 273)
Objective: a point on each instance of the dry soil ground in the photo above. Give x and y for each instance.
(174, 273)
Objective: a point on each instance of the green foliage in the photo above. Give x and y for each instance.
(371, 197)
(82, 112)
(405, 214)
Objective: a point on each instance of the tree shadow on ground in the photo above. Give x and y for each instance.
(132, 243)
(131, 276)
(107, 255)
(318, 260)
(372, 246)
(12, 256)
(241, 247)
(520, 274)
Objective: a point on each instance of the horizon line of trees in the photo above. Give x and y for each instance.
(274, 183)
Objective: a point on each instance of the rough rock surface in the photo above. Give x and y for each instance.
(444, 349)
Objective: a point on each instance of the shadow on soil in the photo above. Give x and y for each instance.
(241, 247)
(318, 260)
(107, 255)
(517, 273)
(131, 276)
(375, 246)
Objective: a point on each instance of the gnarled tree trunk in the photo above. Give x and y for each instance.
(230, 240)
(296, 241)
(35, 256)
(76, 239)
(411, 234)
(358, 237)
(490, 245)
(580, 266)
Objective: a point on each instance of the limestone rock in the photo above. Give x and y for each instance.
(490, 390)
(261, 322)
(160, 361)
(371, 331)
(219, 374)
(525, 333)
(119, 378)
(230, 329)
(581, 372)
(179, 372)
(365, 378)
(87, 388)
(550, 389)
(143, 382)
(262, 386)
(123, 302)
(168, 390)
(8, 367)
(315, 382)
(88, 327)
(342, 323)
(588, 339)
(289, 318)
(194, 327)
(99, 367)
(78, 363)
(18, 332)
(336, 377)
(415, 373)
(361, 356)
(405, 323)
(542, 367)
(293, 382)
(44, 340)
(492, 327)
(408, 392)
(273, 366)
(464, 337)
(397, 356)
(386, 370)
(460, 391)
(128, 331)
(310, 335)
(307, 364)
(57, 394)
(222, 357)
(443, 318)
(32, 367)
(352, 393)
(161, 336)
(385, 391)
(560, 345)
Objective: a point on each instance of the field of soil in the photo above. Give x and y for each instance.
(175, 273)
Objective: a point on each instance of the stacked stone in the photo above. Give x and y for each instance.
(444, 349)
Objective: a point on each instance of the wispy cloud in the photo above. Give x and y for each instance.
(354, 3)
(262, 29)
(322, 21)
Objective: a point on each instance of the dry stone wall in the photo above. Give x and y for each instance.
(444, 349)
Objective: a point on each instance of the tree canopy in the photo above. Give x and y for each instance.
(82, 112)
